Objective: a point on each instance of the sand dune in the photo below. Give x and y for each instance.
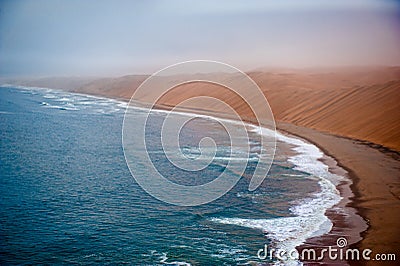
(360, 103)
(363, 109)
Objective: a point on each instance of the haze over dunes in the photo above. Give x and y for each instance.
(50, 38)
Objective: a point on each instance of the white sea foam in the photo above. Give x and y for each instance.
(5, 113)
(163, 260)
(309, 217)
(60, 107)
(49, 96)
(227, 154)
(70, 101)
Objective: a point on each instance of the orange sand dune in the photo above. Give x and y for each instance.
(361, 107)
(361, 103)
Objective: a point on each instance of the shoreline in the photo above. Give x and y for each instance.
(344, 152)
(356, 228)
(346, 219)
(373, 174)
(341, 226)
(348, 222)
(374, 189)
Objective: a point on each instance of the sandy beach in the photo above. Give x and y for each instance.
(375, 175)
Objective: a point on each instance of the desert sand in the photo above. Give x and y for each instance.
(352, 114)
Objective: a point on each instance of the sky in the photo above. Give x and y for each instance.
(97, 38)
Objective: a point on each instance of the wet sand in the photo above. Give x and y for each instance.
(376, 181)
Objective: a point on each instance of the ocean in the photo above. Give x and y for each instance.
(68, 197)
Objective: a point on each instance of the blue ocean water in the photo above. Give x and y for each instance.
(67, 196)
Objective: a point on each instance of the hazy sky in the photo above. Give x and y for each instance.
(45, 38)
